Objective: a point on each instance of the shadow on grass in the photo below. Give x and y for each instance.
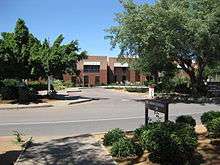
(9, 157)
(79, 150)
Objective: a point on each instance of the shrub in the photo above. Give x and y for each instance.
(181, 84)
(58, 85)
(26, 94)
(187, 119)
(11, 83)
(170, 143)
(9, 89)
(165, 86)
(113, 136)
(209, 116)
(138, 90)
(182, 88)
(214, 128)
(126, 148)
(38, 86)
(149, 82)
(138, 132)
(69, 84)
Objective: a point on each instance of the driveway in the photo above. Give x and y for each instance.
(110, 109)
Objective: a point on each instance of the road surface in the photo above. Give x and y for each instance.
(111, 109)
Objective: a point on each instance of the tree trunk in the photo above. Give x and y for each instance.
(198, 85)
(49, 85)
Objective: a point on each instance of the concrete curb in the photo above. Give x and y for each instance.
(44, 106)
(25, 107)
(80, 101)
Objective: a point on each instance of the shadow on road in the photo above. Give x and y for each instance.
(9, 157)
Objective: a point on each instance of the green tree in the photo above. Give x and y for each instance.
(57, 59)
(23, 56)
(180, 31)
(15, 52)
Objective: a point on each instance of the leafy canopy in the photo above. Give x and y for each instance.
(180, 31)
(23, 56)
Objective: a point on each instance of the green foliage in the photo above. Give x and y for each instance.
(181, 85)
(167, 32)
(18, 137)
(138, 132)
(186, 119)
(170, 143)
(69, 84)
(38, 86)
(9, 89)
(26, 94)
(138, 90)
(113, 136)
(149, 82)
(209, 116)
(126, 148)
(58, 85)
(165, 87)
(214, 128)
(23, 56)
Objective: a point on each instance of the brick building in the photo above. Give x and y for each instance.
(103, 70)
(93, 71)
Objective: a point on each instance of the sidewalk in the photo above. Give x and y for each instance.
(78, 150)
(43, 105)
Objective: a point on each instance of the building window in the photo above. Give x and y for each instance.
(91, 68)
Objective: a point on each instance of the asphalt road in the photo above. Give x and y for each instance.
(111, 109)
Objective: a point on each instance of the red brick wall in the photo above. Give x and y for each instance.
(107, 72)
(102, 73)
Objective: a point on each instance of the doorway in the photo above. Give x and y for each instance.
(86, 81)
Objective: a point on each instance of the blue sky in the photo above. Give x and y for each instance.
(84, 20)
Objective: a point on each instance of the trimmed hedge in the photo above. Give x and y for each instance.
(213, 128)
(170, 143)
(138, 90)
(126, 148)
(186, 119)
(113, 136)
(209, 116)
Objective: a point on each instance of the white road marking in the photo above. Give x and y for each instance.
(69, 121)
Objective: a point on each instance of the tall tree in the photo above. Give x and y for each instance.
(57, 59)
(181, 31)
(15, 52)
(23, 56)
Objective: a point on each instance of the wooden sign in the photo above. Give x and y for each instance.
(158, 106)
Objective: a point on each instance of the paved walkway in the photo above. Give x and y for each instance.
(80, 150)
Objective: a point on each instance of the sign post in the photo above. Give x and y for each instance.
(151, 91)
(158, 106)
